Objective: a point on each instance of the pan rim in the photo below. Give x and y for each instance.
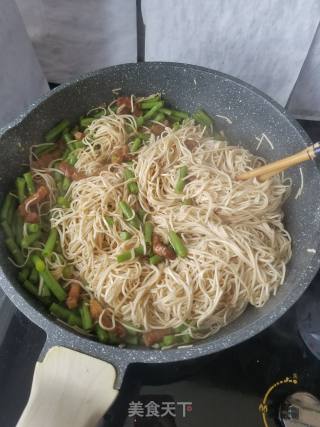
(136, 355)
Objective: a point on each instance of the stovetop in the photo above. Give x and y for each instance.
(233, 388)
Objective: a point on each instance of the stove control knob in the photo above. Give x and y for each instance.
(300, 410)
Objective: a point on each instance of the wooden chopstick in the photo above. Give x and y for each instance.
(267, 171)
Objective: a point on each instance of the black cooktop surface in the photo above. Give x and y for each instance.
(233, 388)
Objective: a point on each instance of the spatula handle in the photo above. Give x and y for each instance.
(69, 389)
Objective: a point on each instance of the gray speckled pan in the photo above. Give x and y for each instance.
(186, 87)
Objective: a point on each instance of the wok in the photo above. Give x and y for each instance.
(186, 87)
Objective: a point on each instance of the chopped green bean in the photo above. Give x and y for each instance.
(141, 214)
(135, 145)
(128, 213)
(177, 244)
(167, 340)
(34, 276)
(166, 111)
(86, 121)
(15, 251)
(149, 103)
(21, 185)
(128, 255)
(124, 235)
(102, 334)
(180, 115)
(132, 185)
(50, 243)
(109, 221)
(63, 202)
(7, 229)
(23, 274)
(144, 136)
(44, 148)
(85, 317)
(183, 172)
(29, 181)
(38, 263)
(203, 118)
(55, 132)
(74, 320)
(72, 159)
(30, 287)
(159, 117)
(155, 259)
(54, 286)
(9, 201)
(67, 137)
(33, 228)
(186, 338)
(139, 121)
(18, 228)
(30, 238)
(151, 113)
(147, 231)
(59, 311)
(180, 328)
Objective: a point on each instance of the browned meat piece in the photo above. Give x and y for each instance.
(119, 330)
(25, 207)
(78, 135)
(161, 249)
(95, 309)
(191, 144)
(121, 154)
(70, 172)
(125, 103)
(44, 161)
(155, 336)
(157, 129)
(73, 295)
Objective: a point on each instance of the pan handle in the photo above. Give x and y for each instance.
(69, 388)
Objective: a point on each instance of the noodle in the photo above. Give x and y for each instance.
(237, 244)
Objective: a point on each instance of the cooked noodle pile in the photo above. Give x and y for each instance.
(237, 244)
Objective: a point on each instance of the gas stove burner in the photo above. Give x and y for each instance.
(308, 317)
(300, 410)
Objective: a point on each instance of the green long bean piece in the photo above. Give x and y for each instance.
(43, 148)
(34, 276)
(50, 243)
(29, 181)
(85, 317)
(53, 285)
(15, 251)
(177, 244)
(59, 311)
(128, 255)
(7, 229)
(124, 235)
(29, 239)
(38, 263)
(55, 132)
(183, 172)
(67, 137)
(203, 118)
(18, 227)
(159, 117)
(180, 115)
(21, 185)
(149, 103)
(23, 274)
(86, 121)
(136, 144)
(9, 201)
(102, 334)
(129, 214)
(132, 185)
(167, 340)
(147, 231)
(74, 320)
(155, 259)
(33, 290)
(33, 228)
(166, 111)
(151, 113)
